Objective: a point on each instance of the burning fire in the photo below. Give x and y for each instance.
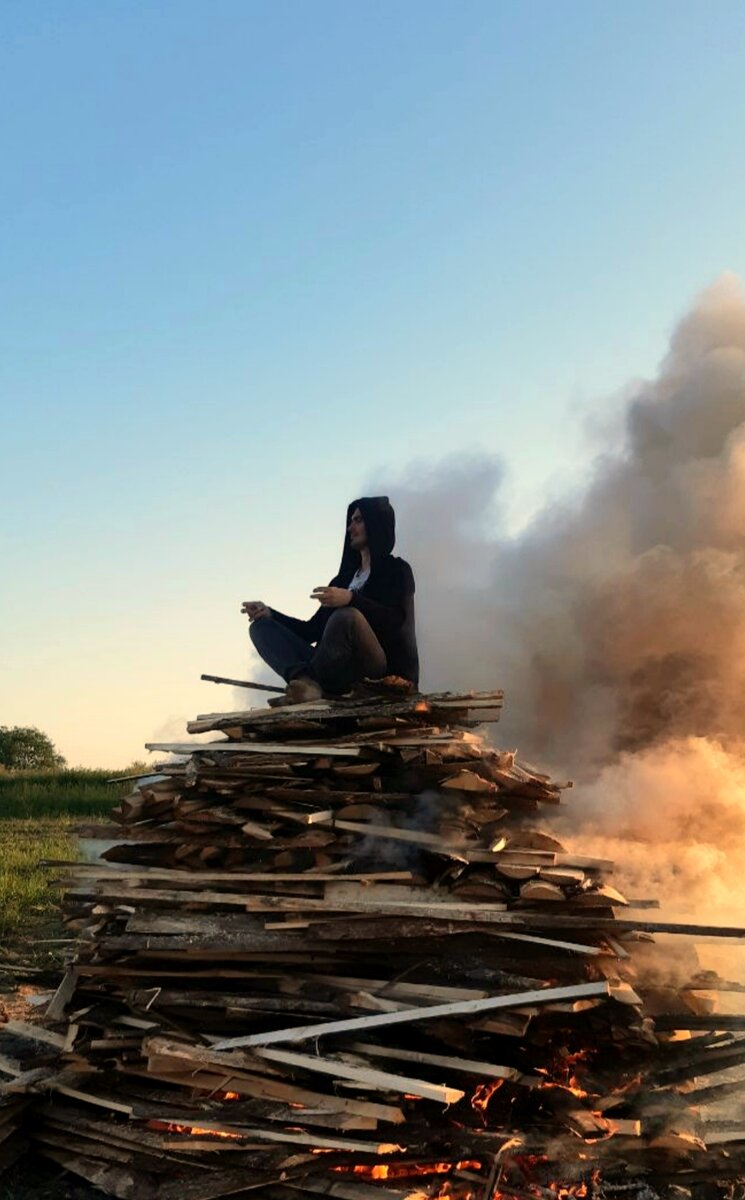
(525, 1164)
(483, 1094)
(403, 1170)
(572, 1086)
(192, 1130)
(567, 1079)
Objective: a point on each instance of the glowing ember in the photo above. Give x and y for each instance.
(565, 1087)
(192, 1130)
(562, 1191)
(404, 1170)
(526, 1165)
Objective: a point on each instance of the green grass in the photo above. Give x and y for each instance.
(31, 794)
(39, 812)
(26, 899)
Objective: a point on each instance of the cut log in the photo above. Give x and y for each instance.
(541, 889)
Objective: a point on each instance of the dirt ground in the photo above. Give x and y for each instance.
(33, 1177)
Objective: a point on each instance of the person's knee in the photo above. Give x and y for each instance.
(345, 618)
(255, 631)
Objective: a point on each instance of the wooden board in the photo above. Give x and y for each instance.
(460, 1008)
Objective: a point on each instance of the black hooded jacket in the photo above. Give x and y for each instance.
(387, 598)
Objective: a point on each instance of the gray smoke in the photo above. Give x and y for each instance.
(615, 621)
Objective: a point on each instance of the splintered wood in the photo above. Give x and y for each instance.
(333, 954)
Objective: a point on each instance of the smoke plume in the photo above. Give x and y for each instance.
(616, 620)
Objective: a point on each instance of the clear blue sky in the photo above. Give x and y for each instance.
(254, 254)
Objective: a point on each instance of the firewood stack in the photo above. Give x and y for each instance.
(14, 1141)
(334, 955)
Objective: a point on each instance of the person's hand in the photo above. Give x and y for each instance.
(255, 609)
(332, 597)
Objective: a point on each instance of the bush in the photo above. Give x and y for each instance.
(23, 747)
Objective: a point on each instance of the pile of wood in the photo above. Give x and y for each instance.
(14, 1141)
(335, 952)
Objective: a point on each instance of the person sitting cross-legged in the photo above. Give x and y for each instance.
(364, 627)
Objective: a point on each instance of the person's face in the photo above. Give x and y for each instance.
(357, 531)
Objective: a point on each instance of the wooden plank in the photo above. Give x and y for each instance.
(284, 748)
(550, 943)
(700, 1063)
(115, 1180)
(430, 909)
(254, 1087)
(36, 1033)
(413, 704)
(61, 998)
(144, 896)
(214, 1184)
(466, 1066)
(461, 1008)
(293, 1137)
(171, 874)
(543, 858)
(384, 1080)
(106, 1102)
(493, 914)
(395, 988)
(310, 711)
(28, 1081)
(233, 1002)
(413, 836)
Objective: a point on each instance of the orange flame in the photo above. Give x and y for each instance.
(562, 1191)
(570, 1087)
(192, 1130)
(402, 1170)
(483, 1094)
(563, 1074)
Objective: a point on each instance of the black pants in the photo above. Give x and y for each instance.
(347, 652)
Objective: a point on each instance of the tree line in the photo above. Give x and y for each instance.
(25, 748)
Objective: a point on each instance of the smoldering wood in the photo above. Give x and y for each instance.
(370, 879)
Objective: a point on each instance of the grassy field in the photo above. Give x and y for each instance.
(34, 794)
(39, 812)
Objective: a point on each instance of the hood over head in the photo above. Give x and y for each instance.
(380, 523)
